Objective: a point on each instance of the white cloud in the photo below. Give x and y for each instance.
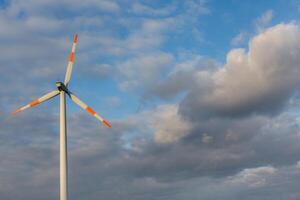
(253, 177)
(239, 38)
(264, 20)
(169, 125)
(270, 65)
(268, 71)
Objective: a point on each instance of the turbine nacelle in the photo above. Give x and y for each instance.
(62, 87)
(58, 84)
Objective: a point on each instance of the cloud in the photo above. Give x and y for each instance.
(239, 38)
(169, 126)
(45, 7)
(206, 138)
(193, 71)
(264, 20)
(142, 9)
(103, 164)
(260, 80)
(260, 25)
(143, 71)
(254, 177)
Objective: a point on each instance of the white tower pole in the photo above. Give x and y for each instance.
(63, 149)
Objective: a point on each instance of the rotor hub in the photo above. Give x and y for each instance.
(62, 87)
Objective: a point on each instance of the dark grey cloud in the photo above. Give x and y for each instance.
(193, 73)
(102, 164)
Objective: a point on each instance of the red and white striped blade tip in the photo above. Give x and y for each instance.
(15, 112)
(75, 38)
(106, 123)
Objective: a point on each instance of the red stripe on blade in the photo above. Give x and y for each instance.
(90, 110)
(76, 38)
(106, 123)
(71, 57)
(34, 103)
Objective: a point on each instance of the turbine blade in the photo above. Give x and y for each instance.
(71, 59)
(89, 109)
(38, 101)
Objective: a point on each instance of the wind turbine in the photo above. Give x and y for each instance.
(62, 90)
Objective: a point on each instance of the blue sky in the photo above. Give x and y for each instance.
(203, 97)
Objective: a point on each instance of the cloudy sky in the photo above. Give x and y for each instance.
(203, 97)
